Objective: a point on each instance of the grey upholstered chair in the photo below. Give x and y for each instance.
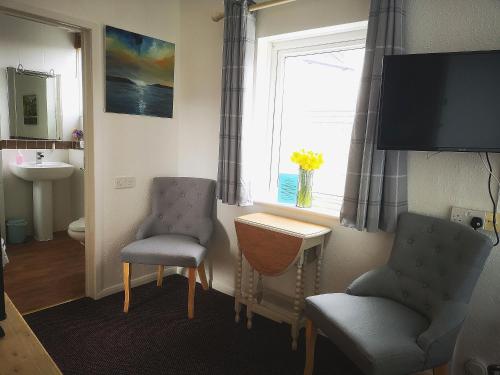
(404, 317)
(176, 232)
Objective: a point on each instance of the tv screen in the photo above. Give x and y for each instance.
(442, 102)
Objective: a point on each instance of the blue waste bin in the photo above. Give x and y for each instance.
(16, 231)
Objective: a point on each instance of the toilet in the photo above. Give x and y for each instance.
(76, 230)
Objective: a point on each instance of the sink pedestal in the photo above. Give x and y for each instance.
(42, 210)
(42, 175)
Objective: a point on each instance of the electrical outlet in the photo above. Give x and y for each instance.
(124, 182)
(464, 215)
(488, 223)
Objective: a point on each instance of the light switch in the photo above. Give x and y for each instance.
(124, 182)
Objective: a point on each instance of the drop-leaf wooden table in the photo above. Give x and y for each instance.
(272, 245)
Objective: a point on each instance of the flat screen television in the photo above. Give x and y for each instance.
(440, 102)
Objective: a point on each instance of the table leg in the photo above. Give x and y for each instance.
(319, 261)
(250, 298)
(297, 304)
(260, 289)
(237, 297)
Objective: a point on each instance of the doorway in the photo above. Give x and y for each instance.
(49, 241)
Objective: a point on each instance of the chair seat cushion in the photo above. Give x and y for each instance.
(165, 249)
(377, 334)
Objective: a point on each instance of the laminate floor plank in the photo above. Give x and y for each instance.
(42, 274)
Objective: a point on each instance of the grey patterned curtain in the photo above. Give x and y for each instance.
(376, 186)
(233, 186)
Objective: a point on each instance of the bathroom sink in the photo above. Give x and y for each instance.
(42, 175)
(46, 171)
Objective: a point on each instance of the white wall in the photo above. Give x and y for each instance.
(125, 145)
(435, 184)
(348, 253)
(188, 144)
(39, 47)
(450, 179)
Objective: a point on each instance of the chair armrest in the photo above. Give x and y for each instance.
(144, 230)
(205, 230)
(380, 282)
(446, 321)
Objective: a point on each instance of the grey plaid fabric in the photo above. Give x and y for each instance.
(237, 79)
(376, 185)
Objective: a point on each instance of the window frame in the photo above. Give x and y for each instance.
(271, 57)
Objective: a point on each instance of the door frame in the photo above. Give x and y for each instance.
(90, 37)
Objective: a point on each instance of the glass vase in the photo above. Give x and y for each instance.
(304, 191)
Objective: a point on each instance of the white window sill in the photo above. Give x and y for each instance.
(313, 211)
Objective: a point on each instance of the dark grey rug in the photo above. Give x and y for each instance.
(95, 337)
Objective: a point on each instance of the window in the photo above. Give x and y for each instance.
(307, 89)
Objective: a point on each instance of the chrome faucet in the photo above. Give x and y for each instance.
(39, 157)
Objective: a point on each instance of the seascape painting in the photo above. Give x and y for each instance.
(139, 74)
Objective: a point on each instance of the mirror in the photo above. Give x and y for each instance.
(34, 105)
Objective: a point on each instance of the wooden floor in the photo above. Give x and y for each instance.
(20, 351)
(42, 274)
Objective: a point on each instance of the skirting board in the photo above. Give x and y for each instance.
(219, 286)
(214, 284)
(223, 288)
(135, 282)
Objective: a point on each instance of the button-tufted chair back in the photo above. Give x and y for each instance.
(436, 261)
(182, 205)
(433, 268)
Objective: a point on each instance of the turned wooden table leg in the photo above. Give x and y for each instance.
(237, 297)
(250, 298)
(260, 289)
(297, 303)
(319, 263)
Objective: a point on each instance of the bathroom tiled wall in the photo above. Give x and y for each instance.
(37, 144)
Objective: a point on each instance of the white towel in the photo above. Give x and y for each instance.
(5, 259)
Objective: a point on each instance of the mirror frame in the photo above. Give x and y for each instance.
(12, 94)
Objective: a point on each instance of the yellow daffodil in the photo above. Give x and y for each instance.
(307, 160)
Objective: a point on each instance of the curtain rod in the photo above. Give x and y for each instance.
(252, 8)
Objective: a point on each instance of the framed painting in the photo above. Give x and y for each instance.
(139, 74)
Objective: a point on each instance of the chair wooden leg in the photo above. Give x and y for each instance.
(127, 268)
(192, 286)
(203, 275)
(441, 370)
(159, 277)
(310, 346)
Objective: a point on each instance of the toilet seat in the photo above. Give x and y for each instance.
(78, 225)
(76, 230)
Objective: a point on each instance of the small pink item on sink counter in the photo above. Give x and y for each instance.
(19, 158)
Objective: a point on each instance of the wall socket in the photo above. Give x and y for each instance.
(488, 223)
(464, 215)
(124, 182)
